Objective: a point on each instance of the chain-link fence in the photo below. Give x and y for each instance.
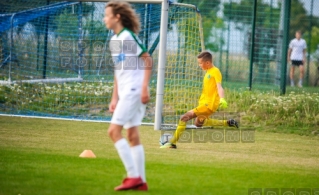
(233, 27)
(228, 29)
(54, 58)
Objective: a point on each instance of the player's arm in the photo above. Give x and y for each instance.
(289, 54)
(148, 64)
(220, 90)
(115, 97)
(218, 80)
(222, 101)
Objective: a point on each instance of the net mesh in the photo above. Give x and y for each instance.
(55, 60)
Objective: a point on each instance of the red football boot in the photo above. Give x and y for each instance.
(129, 183)
(142, 187)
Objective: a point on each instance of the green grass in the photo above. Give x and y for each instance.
(40, 156)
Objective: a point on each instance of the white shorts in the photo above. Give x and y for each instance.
(129, 111)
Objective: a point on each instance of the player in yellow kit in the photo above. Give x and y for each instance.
(211, 99)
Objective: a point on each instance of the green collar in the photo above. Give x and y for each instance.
(121, 31)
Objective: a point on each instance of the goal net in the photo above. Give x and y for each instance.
(55, 59)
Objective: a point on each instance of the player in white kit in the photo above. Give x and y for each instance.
(133, 66)
(297, 57)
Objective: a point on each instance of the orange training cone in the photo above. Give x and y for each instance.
(87, 154)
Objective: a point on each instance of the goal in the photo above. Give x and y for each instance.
(55, 61)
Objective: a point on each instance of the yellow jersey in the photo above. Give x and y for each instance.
(210, 96)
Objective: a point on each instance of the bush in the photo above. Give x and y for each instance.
(268, 110)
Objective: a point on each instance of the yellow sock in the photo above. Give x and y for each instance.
(179, 130)
(213, 122)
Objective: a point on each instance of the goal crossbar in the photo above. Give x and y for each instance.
(176, 37)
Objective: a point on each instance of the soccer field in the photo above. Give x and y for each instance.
(40, 156)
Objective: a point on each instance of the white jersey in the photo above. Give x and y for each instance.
(126, 49)
(297, 47)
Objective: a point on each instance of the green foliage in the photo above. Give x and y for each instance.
(61, 99)
(206, 7)
(261, 109)
(211, 37)
(211, 22)
(70, 20)
(268, 18)
(12, 6)
(300, 19)
(3, 91)
(314, 39)
(241, 12)
(95, 27)
(270, 110)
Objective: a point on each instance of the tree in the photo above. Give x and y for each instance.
(268, 16)
(314, 38)
(208, 10)
(266, 29)
(7, 7)
(266, 25)
(307, 24)
(241, 13)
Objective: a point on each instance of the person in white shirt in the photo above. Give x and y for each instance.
(297, 57)
(133, 66)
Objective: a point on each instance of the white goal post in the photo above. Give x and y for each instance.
(161, 57)
(172, 33)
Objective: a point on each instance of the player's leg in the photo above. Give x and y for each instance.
(301, 74)
(120, 116)
(137, 149)
(200, 120)
(180, 129)
(203, 112)
(123, 150)
(182, 125)
(203, 119)
(209, 122)
(115, 132)
(292, 72)
(133, 178)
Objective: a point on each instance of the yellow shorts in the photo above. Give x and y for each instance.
(203, 111)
